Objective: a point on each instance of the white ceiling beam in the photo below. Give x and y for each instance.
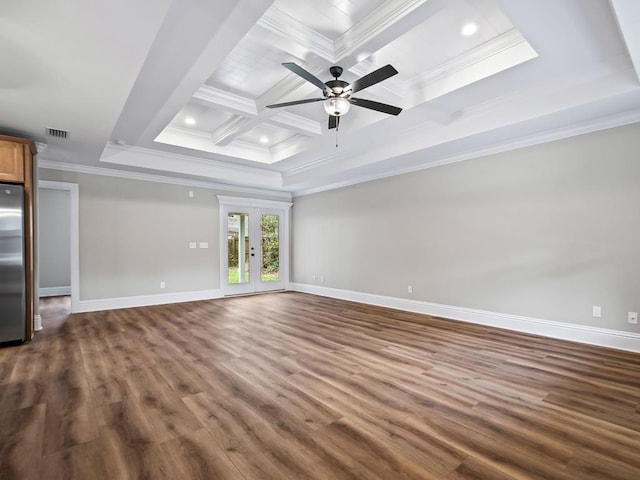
(297, 123)
(389, 21)
(200, 167)
(628, 15)
(294, 31)
(215, 28)
(229, 130)
(228, 101)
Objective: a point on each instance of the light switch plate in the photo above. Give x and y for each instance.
(204, 244)
(633, 317)
(192, 244)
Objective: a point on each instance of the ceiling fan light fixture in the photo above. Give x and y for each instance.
(336, 106)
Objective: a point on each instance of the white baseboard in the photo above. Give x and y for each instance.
(54, 291)
(564, 331)
(145, 300)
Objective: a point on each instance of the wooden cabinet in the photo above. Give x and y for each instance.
(11, 162)
(16, 166)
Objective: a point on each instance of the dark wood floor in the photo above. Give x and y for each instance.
(293, 386)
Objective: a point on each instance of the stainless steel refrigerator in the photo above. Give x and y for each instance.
(12, 264)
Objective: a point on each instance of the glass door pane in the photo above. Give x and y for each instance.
(270, 248)
(238, 248)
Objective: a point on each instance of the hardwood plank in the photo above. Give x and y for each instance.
(197, 456)
(289, 385)
(21, 442)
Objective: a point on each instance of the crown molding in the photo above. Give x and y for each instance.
(281, 23)
(496, 55)
(224, 200)
(112, 149)
(202, 142)
(311, 165)
(147, 177)
(288, 147)
(538, 138)
(227, 173)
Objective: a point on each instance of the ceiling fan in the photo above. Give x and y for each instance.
(337, 93)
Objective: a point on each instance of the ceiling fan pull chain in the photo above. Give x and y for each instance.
(337, 128)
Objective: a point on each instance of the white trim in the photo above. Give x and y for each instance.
(222, 171)
(295, 122)
(493, 56)
(227, 100)
(74, 206)
(537, 138)
(373, 25)
(146, 177)
(146, 300)
(547, 328)
(54, 291)
(226, 132)
(252, 202)
(281, 23)
(263, 206)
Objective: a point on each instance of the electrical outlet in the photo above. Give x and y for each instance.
(633, 317)
(321, 279)
(192, 244)
(409, 289)
(162, 285)
(314, 276)
(597, 311)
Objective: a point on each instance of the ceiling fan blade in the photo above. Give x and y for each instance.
(372, 78)
(333, 122)
(379, 107)
(309, 77)
(296, 102)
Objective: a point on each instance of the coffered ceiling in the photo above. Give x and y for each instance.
(180, 88)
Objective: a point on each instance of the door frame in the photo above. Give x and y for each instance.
(74, 244)
(270, 206)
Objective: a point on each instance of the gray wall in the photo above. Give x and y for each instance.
(54, 238)
(135, 234)
(545, 231)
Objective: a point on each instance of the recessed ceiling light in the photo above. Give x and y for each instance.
(190, 121)
(469, 29)
(264, 139)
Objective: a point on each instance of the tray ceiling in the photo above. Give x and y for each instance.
(180, 87)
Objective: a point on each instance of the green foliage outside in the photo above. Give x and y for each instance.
(270, 252)
(270, 245)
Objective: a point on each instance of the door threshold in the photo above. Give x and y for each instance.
(250, 294)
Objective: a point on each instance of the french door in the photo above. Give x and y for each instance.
(254, 241)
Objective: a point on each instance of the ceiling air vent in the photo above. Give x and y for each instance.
(56, 132)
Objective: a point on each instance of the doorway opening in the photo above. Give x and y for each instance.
(48, 269)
